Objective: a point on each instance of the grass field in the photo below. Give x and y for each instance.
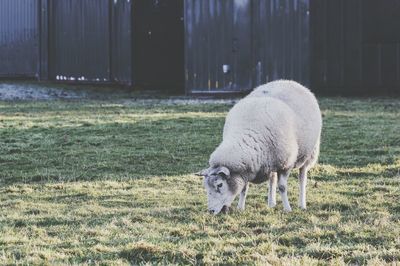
(95, 182)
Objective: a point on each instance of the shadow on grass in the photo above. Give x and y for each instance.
(108, 151)
(142, 252)
(388, 169)
(88, 107)
(44, 222)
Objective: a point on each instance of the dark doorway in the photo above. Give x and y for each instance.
(381, 45)
(355, 47)
(158, 44)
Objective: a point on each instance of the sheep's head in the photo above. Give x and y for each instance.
(222, 187)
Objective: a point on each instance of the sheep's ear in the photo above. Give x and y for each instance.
(224, 172)
(204, 172)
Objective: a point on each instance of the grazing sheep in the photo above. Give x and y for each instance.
(273, 130)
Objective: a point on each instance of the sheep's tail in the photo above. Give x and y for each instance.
(314, 155)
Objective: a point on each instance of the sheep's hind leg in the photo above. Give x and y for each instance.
(302, 187)
(273, 179)
(242, 197)
(282, 186)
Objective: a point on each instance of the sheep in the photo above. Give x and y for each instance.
(275, 129)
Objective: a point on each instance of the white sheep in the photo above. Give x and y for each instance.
(273, 130)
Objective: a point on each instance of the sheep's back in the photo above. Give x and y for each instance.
(304, 105)
(262, 130)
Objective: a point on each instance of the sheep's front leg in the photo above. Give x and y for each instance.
(302, 187)
(273, 179)
(242, 197)
(282, 186)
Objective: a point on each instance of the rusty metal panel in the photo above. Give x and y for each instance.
(19, 38)
(79, 33)
(280, 40)
(217, 46)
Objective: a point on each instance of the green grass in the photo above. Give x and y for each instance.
(98, 182)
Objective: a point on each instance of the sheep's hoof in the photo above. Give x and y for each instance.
(287, 210)
(302, 206)
(271, 204)
(240, 207)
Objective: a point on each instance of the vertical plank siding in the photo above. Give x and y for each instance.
(217, 34)
(280, 40)
(44, 40)
(336, 47)
(258, 40)
(121, 42)
(19, 38)
(80, 40)
(66, 40)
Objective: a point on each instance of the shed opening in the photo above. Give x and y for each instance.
(158, 42)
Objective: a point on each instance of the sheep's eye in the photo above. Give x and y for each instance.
(219, 185)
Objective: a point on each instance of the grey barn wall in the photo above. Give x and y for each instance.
(258, 40)
(281, 41)
(79, 38)
(217, 33)
(121, 42)
(355, 46)
(67, 40)
(90, 41)
(342, 46)
(19, 38)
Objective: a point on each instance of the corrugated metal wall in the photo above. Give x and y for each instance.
(121, 40)
(280, 40)
(230, 45)
(217, 45)
(355, 46)
(235, 45)
(19, 38)
(80, 46)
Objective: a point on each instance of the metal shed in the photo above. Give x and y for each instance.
(204, 46)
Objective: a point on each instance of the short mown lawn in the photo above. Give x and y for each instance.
(111, 182)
